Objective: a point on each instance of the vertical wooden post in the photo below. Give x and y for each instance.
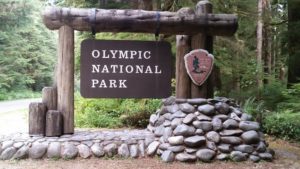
(37, 118)
(204, 42)
(65, 78)
(53, 123)
(49, 97)
(183, 46)
(183, 82)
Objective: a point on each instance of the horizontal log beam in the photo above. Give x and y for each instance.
(140, 21)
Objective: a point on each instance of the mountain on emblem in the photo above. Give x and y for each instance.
(199, 64)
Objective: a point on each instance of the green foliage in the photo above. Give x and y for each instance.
(255, 108)
(285, 125)
(27, 49)
(18, 94)
(272, 94)
(112, 113)
(291, 99)
(283, 119)
(136, 112)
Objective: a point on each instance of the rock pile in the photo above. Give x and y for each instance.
(206, 129)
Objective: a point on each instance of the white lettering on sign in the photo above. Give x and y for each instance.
(127, 69)
(112, 83)
(123, 54)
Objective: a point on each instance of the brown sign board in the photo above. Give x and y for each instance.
(125, 69)
(199, 64)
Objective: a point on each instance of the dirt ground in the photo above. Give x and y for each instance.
(287, 157)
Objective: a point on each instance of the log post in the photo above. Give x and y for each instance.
(65, 78)
(202, 41)
(53, 123)
(183, 82)
(117, 20)
(37, 116)
(183, 46)
(49, 97)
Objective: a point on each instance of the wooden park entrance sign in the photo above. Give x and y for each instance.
(194, 29)
(125, 69)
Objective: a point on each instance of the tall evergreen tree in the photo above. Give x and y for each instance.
(294, 41)
(27, 49)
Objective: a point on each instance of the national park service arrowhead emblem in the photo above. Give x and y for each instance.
(199, 64)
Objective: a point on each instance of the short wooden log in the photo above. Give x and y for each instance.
(54, 123)
(49, 97)
(37, 117)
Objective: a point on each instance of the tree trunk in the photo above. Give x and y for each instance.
(267, 41)
(167, 5)
(259, 46)
(147, 5)
(157, 5)
(294, 45)
(102, 4)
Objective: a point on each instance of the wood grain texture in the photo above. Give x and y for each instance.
(114, 20)
(37, 116)
(65, 78)
(53, 123)
(49, 97)
(202, 41)
(183, 81)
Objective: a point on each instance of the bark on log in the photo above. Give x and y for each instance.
(53, 123)
(202, 41)
(139, 21)
(37, 116)
(65, 78)
(183, 81)
(49, 97)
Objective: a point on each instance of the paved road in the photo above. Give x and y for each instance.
(13, 105)
(14, 116)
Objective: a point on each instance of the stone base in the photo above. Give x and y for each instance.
(182, 130)
(206, 130)
(84, 144)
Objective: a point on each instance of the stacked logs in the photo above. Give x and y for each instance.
(44, 119)
(206, 129)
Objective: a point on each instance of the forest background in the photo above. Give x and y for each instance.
(259, 66)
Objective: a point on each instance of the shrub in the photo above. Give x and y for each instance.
(136, 113)
(113, 113)
(272, 94)
(284, 125)
(255, 108)
(97, 112)
(18, 94)
(291, 99)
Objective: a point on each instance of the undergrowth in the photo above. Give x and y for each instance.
(114, 113)
(18, 94)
